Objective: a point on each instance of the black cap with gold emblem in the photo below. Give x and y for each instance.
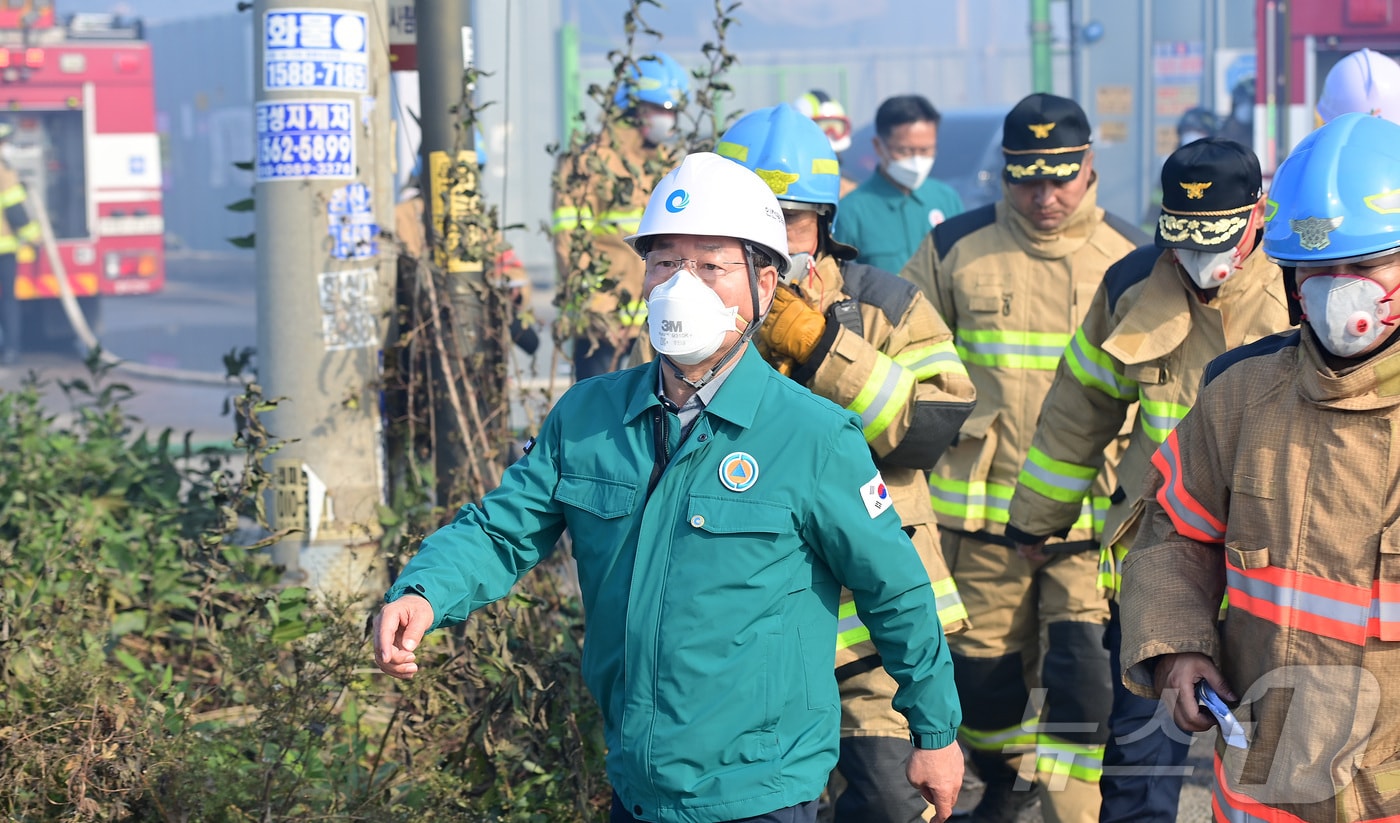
(1044, 136)
(1208, 189)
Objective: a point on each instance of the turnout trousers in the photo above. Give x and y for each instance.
(1031, 671)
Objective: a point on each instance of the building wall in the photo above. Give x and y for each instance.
(204, 105)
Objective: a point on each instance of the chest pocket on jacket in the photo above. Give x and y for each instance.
(606, 499)
(753, 538)
(595, 511)
(735, 515)
(988, 301)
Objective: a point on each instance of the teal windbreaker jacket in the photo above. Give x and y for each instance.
(712, 601)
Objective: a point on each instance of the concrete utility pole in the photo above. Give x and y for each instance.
(445, 47)
(324, 187)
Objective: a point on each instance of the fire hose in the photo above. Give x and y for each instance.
(84, 332)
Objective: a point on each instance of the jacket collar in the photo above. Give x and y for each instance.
(1063, 241)
(1372, 384)
(736, 401)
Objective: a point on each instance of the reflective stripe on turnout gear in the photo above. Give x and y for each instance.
(614, 221)
(930, 361)
(850, 630)
(1056, 479)
(996, 348)
(1191, 519)
(1095, 369)
(885, 392)
(991, 502)
(1056, 757)
(12, 196)
(1327, 608)
(1159, 418)
(1018, 738)
(1110, 577)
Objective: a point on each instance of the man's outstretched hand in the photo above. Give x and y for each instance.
(398, 629)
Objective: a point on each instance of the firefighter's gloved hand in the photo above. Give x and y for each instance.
(793, 328)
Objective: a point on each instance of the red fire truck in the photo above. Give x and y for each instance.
(80, 95)
(1298, 42)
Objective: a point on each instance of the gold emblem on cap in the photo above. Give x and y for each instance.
(1312, 231)
(1196, 191)
(1041, 169)
(1040, 130)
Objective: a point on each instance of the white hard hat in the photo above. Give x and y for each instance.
(709, 195)
(1364, 81)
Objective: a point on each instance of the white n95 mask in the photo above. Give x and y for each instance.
(1209, 269)
(659, 127)
(910, 172)
(686, 320)
(1347, 313)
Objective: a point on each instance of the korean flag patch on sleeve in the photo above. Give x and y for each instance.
(875, 496)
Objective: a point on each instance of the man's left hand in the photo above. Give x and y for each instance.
(938, 775)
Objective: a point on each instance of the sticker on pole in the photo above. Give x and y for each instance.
(315, 49)
(305, 140)
(353, 231)
(349, 309)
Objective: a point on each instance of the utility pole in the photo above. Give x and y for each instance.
(323, 188)
(451, 194)
(1042, 67)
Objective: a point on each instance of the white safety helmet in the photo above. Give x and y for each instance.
(1364, 81)
(713, 196)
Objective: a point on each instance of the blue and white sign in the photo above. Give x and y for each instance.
(352, 227)
(305, 140)
(318, 49)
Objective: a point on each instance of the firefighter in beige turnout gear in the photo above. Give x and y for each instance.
(1279, 491)
(870, 343)
(1161, 314)
(601, 190)
(1013, 280)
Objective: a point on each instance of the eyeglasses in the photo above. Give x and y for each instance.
(709, 271)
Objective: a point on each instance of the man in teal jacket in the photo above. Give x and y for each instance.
(716, 510)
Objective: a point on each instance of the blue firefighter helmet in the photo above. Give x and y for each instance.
(657, 79)
(790, 152)
(1336, 198)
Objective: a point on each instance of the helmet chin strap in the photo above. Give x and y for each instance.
(747, 334)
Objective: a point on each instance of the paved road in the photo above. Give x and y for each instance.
(206, 310)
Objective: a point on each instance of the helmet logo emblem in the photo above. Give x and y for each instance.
(1040, 130)
(1196, 191)
(738, 471)
(677, 202)
(1312, 232)
(777, 180)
